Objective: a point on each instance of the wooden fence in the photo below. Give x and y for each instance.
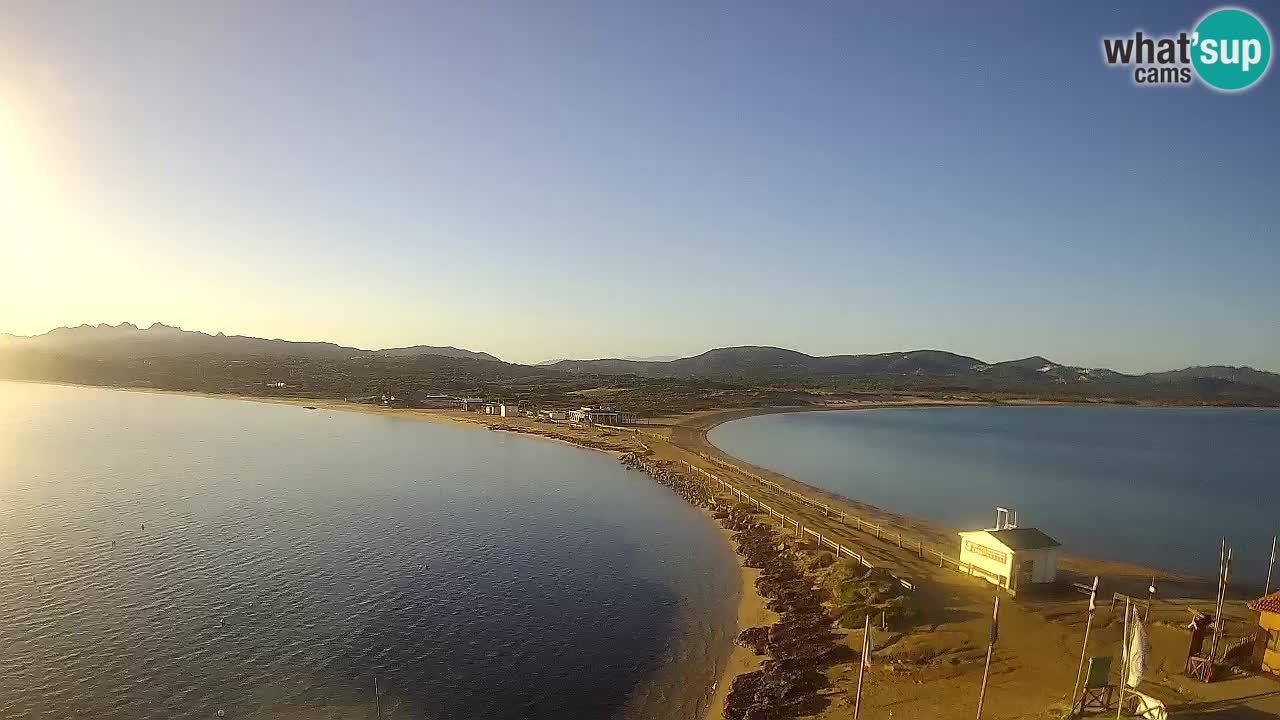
(800, 530)
(853, 521)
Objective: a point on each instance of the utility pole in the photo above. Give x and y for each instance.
(1151, 595)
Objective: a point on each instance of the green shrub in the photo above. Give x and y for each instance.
(853, 618)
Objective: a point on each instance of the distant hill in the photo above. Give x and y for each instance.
(1241, 375)
(629, 358)
(936, 370)
(652, 358)
(165, 356)
(444, 351)
(762, 362)
(160, 340)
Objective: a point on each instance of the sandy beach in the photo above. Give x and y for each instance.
(751, 612)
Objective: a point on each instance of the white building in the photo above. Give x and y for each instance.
(1016, 559)
(554, 414)
(509, 410)
(600, 416)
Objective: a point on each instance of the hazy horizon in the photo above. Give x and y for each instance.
(584, 180)
(635, 356)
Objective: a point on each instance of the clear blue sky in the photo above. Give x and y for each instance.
(583, 180)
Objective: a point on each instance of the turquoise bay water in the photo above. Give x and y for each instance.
(1157, 486)
(166, 557)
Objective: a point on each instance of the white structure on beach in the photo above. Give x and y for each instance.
(601, 416)
(505, 409)
(1016, 559)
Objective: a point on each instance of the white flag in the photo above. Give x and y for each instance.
(1093, 595)
(1138, 648)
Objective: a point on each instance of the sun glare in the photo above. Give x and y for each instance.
(11, 159)
(24, 184)
(37, 232)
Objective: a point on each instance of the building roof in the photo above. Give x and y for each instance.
(1020, 538)
(1269, 603)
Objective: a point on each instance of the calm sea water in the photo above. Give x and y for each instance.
(1158, 486)
(290, 556)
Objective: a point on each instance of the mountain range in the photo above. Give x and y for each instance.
(160, 340)
(917, 370)
(938, 369)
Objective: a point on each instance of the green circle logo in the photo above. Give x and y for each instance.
(1232, 49)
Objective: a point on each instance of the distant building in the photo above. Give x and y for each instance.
(275, 385)
(503, 409)
(1016, 559)
(442, 402)
(601, 416)
(1268, 609)
(554, 414)
(471, 404)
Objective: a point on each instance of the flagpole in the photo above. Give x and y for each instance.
(862, 666)
(995, 617)
(1217, 610)
(1084, 650)
(1218, 623)
(1124, 658)
(1272, 566)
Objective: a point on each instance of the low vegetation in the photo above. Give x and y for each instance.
(859, 593)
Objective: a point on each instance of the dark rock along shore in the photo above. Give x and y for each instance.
(801, 644)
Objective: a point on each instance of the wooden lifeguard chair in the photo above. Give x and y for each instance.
(1098, 693)
(1198, 665)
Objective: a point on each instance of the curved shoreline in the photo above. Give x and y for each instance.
(684, 438)
(748, 611)
(958, 606)
(698, 440)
